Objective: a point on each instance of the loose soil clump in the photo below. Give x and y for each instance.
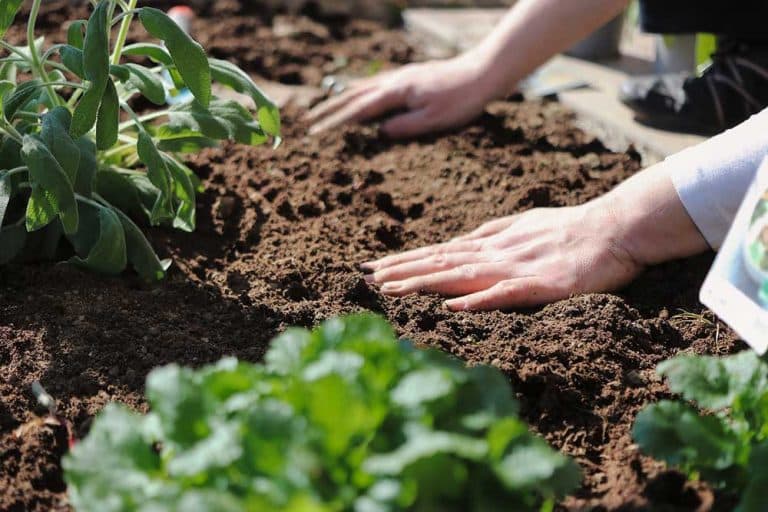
(280, 235)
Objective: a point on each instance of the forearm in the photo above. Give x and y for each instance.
(532, 32)
(652, 223)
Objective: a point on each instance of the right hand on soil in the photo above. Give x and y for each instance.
(435, 95)
(524, 260)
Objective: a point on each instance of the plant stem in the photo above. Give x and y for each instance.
(123, 34)
(37, 66)
(146, 117)
(17, 170)
(15, 51)
(11, 131)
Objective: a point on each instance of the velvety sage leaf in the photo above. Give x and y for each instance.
(120, 72)
(55, 135)
(86, 171)
(133, 194)
(108, 118)
(6, 86)
(8, 71)
(8, 10)
(188, 56)
(19, 98)
(41, 210)
(107, 253)
(96, 70)
(76, 34)
(160, 176)
(221, 120)
(140, 253)
(184, 196)
(72, 58)
(53, 183)
(181, 140)
(155, 52)
(230, 75)
(6, 192)
(148, 83)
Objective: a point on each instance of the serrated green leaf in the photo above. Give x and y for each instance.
(53, 183)
(155, 52)
(75, 34)
(55, 135)
(21, 96)
(716, 382)
(72, 58)
(188, 56)
(148, 83)
(230, 75)
(8, 10)
(108, 118)
(159, 176)
(106, 251)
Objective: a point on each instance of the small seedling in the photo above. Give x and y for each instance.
(343, 418)
(79, 164)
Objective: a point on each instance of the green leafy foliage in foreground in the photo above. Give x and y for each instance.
(728, 446)
(71, 167)
(344, 418)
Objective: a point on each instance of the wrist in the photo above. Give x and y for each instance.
(488, 80)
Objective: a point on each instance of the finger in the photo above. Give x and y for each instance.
(417, 254)
(461, 280)
(428, 265)
(333, 104)
(363, 108)
(410, 124)
(488, 229)
(511, 293)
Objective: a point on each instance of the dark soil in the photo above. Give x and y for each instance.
(279, 239)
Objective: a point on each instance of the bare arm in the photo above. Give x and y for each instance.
(444, 94)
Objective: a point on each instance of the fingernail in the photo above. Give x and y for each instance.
(457, 305)
(391, 287)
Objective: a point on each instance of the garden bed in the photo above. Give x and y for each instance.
(280, 234)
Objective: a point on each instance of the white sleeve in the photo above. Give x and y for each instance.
(713, 177)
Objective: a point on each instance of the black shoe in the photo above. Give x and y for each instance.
(732, 89)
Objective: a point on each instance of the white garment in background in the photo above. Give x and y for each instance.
(713, 177)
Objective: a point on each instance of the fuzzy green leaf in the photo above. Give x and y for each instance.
(183, 194)
(108, 118)
(222, 120)
(95, 68)
(54, 187)
(24, 93)
(188, 56)
(72, 58)
(230, 75)
(86, 171)
(100, 240)
(55, 135)
(75, 37)
(160, 176)
(8, 10)
(148, 83)
(6, 192)
(155, 52)
(140, 253)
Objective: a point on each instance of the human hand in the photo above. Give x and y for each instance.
(436, 95)
(533, 258)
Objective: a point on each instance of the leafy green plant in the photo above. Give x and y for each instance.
(726, 446)
(343, 418)
(78, 163)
